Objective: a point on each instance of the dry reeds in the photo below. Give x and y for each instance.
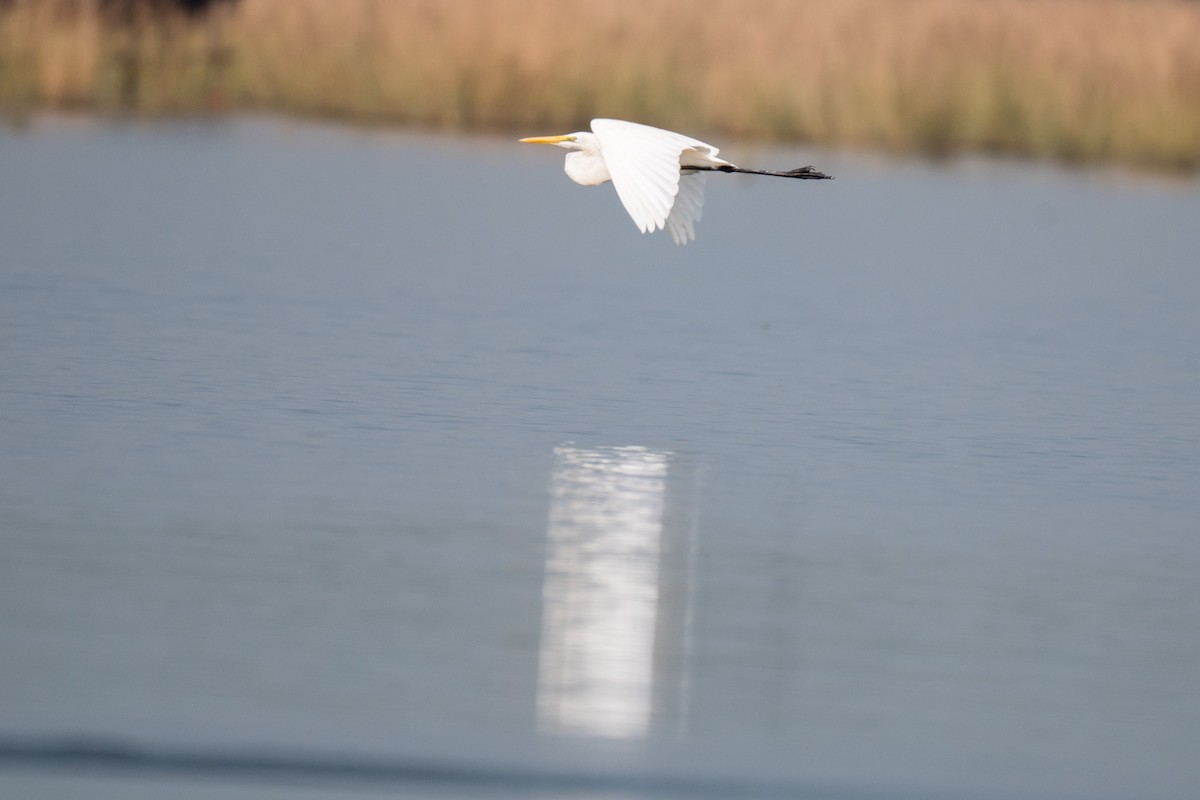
(1071, 79)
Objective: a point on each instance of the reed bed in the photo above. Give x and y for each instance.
(1079, 80)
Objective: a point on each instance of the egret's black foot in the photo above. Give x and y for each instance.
(811, 173)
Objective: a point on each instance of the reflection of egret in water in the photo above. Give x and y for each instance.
(614, 619)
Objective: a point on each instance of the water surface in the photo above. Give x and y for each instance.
(403, 456)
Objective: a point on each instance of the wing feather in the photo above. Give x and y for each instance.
(644, 163)
(689, 204)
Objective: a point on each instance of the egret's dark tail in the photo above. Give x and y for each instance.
(806, 173)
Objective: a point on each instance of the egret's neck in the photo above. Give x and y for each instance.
(587, 167)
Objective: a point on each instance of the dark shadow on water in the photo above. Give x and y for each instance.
(120, 757)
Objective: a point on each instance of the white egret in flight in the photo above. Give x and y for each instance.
(658, 174)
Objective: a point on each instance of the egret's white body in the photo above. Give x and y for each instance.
(648, 167)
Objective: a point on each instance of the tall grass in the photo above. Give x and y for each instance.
(1079, 80)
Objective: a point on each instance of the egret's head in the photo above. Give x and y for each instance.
(569, 141)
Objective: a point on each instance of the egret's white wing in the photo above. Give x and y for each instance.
(681, 222)
(644, 164)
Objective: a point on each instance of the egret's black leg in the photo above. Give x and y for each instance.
(804, 173)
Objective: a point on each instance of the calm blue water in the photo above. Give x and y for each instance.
(342, 462)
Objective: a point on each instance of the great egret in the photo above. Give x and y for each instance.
(658, 174)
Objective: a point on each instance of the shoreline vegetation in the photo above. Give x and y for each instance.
(1082, 81)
